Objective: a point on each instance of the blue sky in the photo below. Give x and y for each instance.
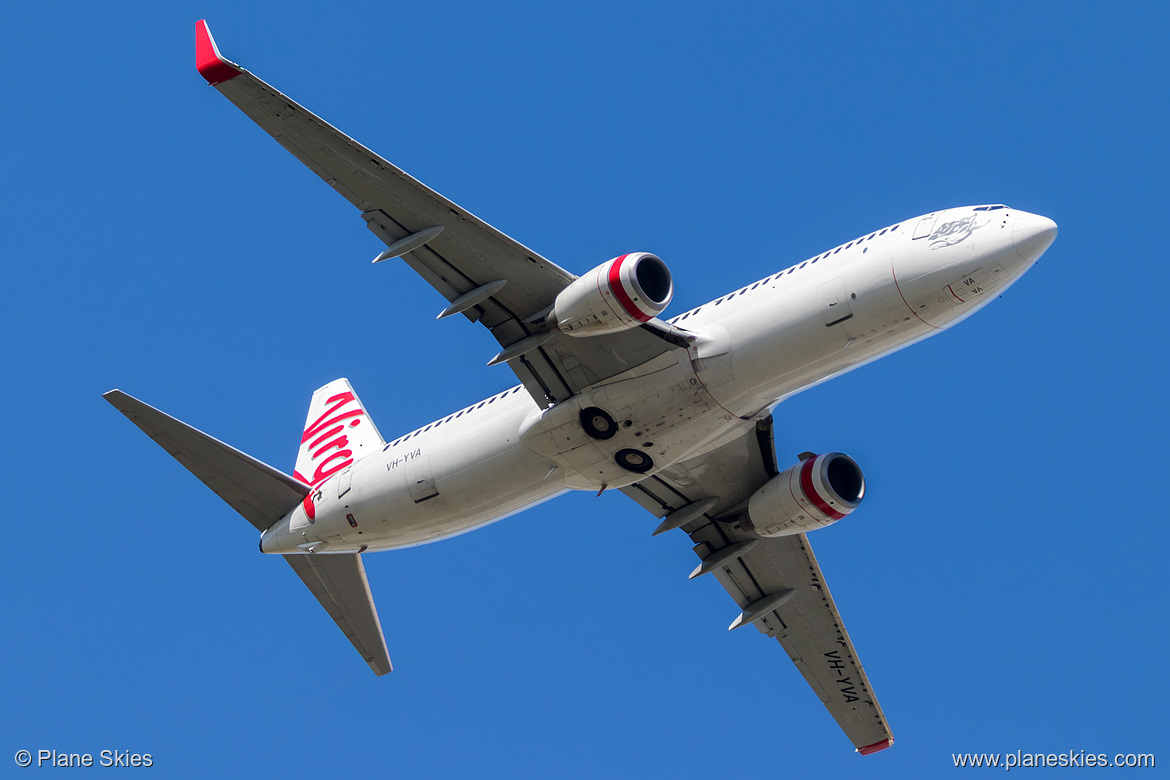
(1003, 581)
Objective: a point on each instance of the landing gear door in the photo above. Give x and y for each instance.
(836, 303)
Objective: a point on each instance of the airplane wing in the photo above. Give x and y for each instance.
(776, 582)
(483, 274)
(339, 583)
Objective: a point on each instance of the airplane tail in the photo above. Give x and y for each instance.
(336, 433)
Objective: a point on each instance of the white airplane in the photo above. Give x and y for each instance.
(675, 414)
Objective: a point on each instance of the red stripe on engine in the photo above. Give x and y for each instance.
(810, 491)
(615, 284)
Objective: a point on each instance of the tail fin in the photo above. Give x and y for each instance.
(337, 432)
(257, 491)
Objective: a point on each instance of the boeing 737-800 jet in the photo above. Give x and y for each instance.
(675, 414)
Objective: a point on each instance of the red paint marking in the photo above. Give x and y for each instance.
(903, 297)
(338, 401)
(321, 474)
(875, 747)
(310, 508)
(340, 443)
(809, 489)
(331, 432)
(330, 423)
(210, 65)
(952, 292)
(615, 284)
(606, 299)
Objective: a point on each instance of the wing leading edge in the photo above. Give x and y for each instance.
(484, 274)
(777, 582)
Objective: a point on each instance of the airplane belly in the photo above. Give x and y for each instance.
(808, 335)
(451, 485)
(424, 489)
(660, 410)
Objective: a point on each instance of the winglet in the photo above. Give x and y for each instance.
(875, 747)
(208, 61)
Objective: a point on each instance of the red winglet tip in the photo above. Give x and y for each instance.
(875, 747)
(208, 62)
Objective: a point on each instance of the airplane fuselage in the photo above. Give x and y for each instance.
(678, 415)
(749, 350)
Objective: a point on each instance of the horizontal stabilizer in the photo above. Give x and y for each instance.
(339, 583)
(257, 491)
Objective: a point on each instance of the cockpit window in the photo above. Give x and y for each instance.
(990, 208)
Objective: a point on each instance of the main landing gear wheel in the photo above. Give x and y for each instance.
(634, 460)
(598, 423)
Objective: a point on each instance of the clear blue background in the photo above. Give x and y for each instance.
(1003, 581)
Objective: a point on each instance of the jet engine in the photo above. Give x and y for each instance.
(816, 492)
(616, 295)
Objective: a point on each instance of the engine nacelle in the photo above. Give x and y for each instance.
(617, 295)
(815, 493)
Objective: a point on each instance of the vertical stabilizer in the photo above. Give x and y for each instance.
(337, 432)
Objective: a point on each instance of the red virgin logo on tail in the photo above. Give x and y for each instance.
(327, 443)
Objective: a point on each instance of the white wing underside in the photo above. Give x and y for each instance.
(465, 256)
(807, 625)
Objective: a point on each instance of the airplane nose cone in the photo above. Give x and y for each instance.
(1033, 234)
